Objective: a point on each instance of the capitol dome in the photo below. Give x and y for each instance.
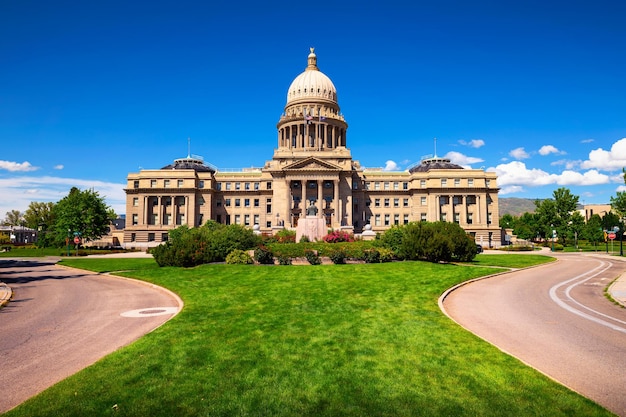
(312, 84)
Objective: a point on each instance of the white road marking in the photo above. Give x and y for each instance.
(561, 303)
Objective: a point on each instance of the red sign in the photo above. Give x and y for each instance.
(77, 239)
(611, 236)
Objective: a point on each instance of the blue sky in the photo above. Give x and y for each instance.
(90, 92)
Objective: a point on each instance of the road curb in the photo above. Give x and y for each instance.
(5, 294)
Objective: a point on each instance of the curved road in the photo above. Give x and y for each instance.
(61, 320)
(556, 319)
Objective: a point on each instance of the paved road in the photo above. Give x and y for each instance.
(62, 320)
(556, 319)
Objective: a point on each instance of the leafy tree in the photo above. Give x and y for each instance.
(39, 216)
(13, 218)
(593, 230)
(507, 221)
(527, 227)
(577, 225)
(556, 213)
(81, 212)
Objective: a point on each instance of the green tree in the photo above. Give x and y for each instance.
(13, 218)
(82, 213)
(556, 213)
(39, 216)
(576, 226)
(593, 230)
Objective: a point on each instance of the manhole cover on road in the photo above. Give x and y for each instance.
(150, 312)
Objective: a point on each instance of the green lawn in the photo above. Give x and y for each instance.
(329, 340)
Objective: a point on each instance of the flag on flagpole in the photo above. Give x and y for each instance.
(308, 118)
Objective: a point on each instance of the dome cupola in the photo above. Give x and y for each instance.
(312, 84)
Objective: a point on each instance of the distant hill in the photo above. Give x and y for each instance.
(516, 206)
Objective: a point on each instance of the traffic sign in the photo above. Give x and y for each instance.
(77, 239)
(611, 235)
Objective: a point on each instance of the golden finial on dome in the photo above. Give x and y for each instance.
(312, 50)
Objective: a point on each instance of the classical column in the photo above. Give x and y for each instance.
(320, 187)
(336, 200)
(478, 221)
(187, 212)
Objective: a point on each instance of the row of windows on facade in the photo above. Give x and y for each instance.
(386, 185)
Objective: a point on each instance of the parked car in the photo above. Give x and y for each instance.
(479, 248)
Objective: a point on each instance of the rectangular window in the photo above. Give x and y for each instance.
(219, 186)
(405, 185)
(405, 202)
(444, 182)
(470, 218)
(237, 203)
(246, 202)
(227, 202)
(268, 224)
(256, 202)
(135, 201)
(166, 183)
(396, 219)
(227, 186)
(423, 217)
(396, 186)
(386, 185)
(179, 183)
(457, 218)
(133, 237)
(443, 217)
(257, 219)
(457, 182)
(247, 186)
(470, 182)
(153, 183)
(150, 237)
(164, 237)
(377, 202)
(268, 185)
(237, 219)
(377, 220)
(135, 184)
(423, 201)
(386, 220)
(154, 219)
(487, 183)
(422, 183)
(237, 187)
(396, 202)
(246, 220)
(406, 219)
(367, 185)
(256, 186)
(386, 202)
(167, 219)
(489, 218)
(268, 205)
(201, 184)
(377, 185)
(457, 200)
(135, 219)
(368, 202)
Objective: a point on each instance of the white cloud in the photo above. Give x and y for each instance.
(519, 153)
(607, 160)
(474, 143)
(391, 166)
(568, 164)
(586, 141)
(19, 192)
(516, 174)
(621, 188)
(548, 149)
(17, 167)
(510, 189)
(463, 160)
(59, 167)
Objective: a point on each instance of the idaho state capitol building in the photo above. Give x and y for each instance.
(311, 173)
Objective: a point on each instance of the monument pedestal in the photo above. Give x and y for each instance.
(312, 227)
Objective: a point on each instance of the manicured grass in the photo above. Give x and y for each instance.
(329, 340)
(511, 261)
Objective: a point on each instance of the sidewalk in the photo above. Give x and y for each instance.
(617, 290)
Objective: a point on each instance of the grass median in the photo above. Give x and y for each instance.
(329, 340)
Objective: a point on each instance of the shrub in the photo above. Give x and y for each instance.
(284, 260)
(312, 257)
(239, 257)
(392, 239)
(336, 236)
(386, 255)
(338, 257)
(371, 256)
(304, 239)
(264, 255)
(285, 236)
(210, 243)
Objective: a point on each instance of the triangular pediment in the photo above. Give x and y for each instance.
(312, 164)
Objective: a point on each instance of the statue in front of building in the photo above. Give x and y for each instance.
(312, 210)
